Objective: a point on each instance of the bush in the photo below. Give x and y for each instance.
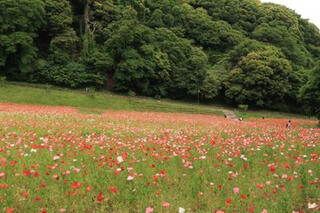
(131, 93)
(243, 107)
(91, 92)
(157, 97)
(72, 75)
(2, 81)
(48, 88)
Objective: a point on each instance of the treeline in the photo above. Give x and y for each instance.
(242, 51)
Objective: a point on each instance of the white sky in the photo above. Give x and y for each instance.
(308, 9)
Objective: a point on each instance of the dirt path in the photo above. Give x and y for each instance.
(230, 114)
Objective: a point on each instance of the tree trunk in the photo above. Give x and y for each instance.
(86, 20)
(86, 17)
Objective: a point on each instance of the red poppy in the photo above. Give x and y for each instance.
(113, 189)
(76, 185)
(9, 210)
(229, 200)
(100, 197)
(89, 188)
(26, 172)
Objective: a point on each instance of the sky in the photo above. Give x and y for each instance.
(308, 9)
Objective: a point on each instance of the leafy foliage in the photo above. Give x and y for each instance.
(260, 78)
(19, 22)
(243, 51)
(310, 93)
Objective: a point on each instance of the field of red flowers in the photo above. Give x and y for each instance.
(54, 159)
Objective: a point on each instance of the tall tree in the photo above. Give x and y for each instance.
(310, 93)
(259, 78)
(19, 22)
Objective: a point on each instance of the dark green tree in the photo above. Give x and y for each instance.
(19, 22)
(260, 78)
(310, 93)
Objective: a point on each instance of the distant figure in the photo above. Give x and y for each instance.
(225, 116)
(240, 119)
(288, 125)
(263, 117)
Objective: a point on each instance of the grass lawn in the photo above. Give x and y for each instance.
(94, 102)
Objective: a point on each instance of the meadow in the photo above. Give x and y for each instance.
(56, 159)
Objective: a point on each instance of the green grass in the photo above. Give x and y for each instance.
(97, 102)
(94, 102)
(270, 114)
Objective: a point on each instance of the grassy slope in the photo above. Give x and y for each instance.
(100, 101)
(93, 103)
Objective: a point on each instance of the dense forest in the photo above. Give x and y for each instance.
(239, 51)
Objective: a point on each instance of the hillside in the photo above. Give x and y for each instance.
(240, 51)
(94, 102)
(97, 102)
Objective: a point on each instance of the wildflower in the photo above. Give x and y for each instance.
(56, 157)
(260, 186)
(149, 210)
(9, 210)
(25, 194)
(236, 190)
(36, 174)
(245, 166)
(89, 188)
(113, 189)
(312, 205)
(181, 210)
(26, 172)
(2, 174)
(76, 185)
(166, 204)
(100, 197)
(162, 173)
(251, 209)
(272, 168)
(76, 170)
(119, 159)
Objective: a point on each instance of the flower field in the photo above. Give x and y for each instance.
(54, 159)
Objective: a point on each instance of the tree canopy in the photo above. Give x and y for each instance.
(240, 51)
(310, 93)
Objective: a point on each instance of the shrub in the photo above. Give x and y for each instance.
(243, 107)
(2, 81)
(48, 88)
(72, 75)
(131, 93)
(91, 92)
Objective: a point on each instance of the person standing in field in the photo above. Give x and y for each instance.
(288, 125)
